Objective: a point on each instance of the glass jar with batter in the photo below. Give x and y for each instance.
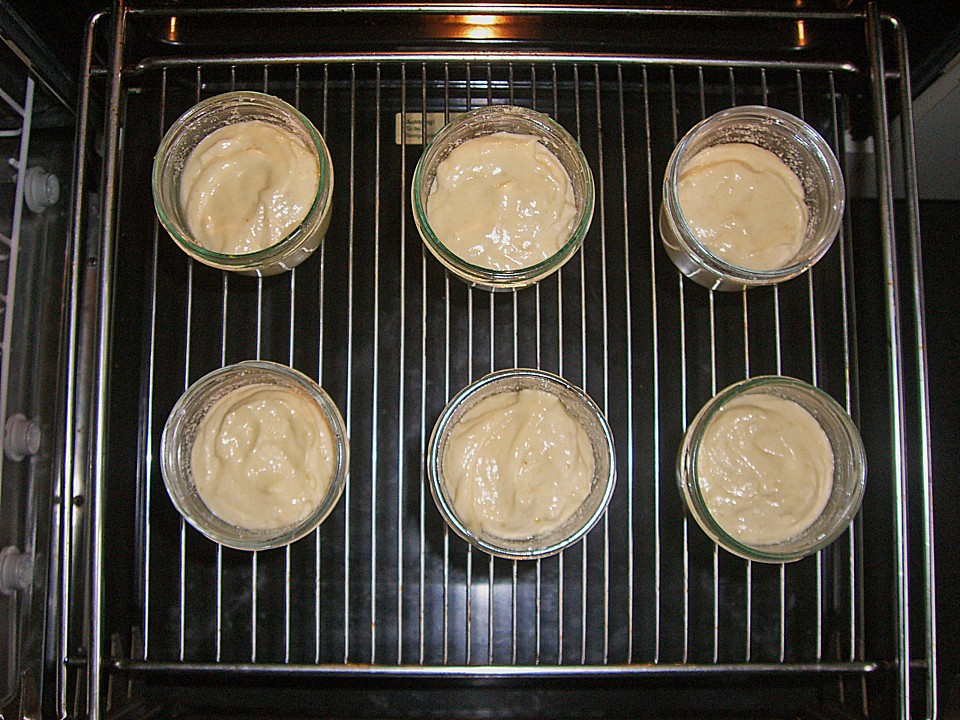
(521, 463)
(244, 182)
(254, 455)
(772, 469)
(503, 196)
(751, 196)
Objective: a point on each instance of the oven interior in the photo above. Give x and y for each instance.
(384, 611)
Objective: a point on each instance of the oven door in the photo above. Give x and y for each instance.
(36, 155)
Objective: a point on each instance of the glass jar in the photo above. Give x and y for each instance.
(487, 121)
(849, 469)
(180, 432)
(581, 408)
(196, 124)
(802, 150)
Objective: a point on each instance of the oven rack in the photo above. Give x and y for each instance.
(383, 588)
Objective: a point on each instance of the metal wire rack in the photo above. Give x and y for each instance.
(383, 587)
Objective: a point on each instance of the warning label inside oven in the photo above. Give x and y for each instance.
(409, 127)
